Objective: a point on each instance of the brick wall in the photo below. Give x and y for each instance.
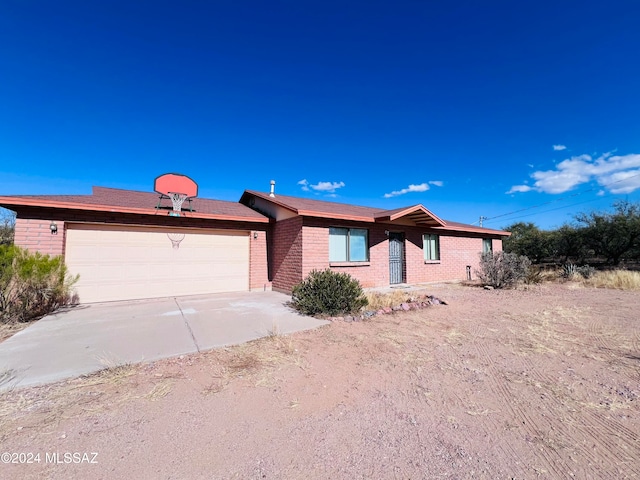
(35, 235)
(258, 265)
(286, 254)
(316, 251)
(456, 252)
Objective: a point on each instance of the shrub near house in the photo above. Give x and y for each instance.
(329, 293)
(31, 284)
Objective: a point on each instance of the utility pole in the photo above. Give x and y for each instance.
(481, 219)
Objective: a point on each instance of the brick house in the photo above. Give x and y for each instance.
(378, 247)
(125, 245)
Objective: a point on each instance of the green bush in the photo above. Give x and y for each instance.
(502, 270)
(329, 293)
(31, 284)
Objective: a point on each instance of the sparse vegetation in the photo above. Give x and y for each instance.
(502, 270)
(534, 276)
(325, 292)
(619, 279)
(377, 300)
(7, 226)
(571, 271)
(31, 284)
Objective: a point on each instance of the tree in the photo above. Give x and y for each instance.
(528, 240)
(612, 235)
(7, 226)
(567, 242)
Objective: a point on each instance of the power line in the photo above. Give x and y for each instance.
(559, 208)
(558, 200)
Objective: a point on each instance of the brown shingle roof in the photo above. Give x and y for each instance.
(318, 208)
(114, 199)
(322, 208)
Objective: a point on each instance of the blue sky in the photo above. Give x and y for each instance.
(470, 108)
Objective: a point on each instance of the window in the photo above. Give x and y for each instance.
(431, 247)
(487, 245)
(348, 245)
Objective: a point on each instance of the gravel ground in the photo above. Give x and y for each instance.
(536, 383)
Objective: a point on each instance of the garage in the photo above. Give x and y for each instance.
(120, 262)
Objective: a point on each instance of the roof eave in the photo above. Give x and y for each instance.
(472, 229)
(337, 216)
(39, 203)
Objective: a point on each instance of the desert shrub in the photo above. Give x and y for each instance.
(502, 270)
(329, 293)
(569, 271)
(534, 276)
(31, 284)
(586, 271)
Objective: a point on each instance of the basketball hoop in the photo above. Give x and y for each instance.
(177, 199)
(175, 238)
(177, 188)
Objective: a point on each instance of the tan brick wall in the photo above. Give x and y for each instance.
(35, 235)
(258, 265)
(286, 254)
(456, 252)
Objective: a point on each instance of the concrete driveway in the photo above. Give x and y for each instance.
(88, 338)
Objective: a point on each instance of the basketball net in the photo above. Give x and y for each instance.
(175, 238)
(177, 199)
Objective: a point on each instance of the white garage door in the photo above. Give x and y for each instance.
(126, 263)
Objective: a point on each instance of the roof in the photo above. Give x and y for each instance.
(131, 201)
(416, 214)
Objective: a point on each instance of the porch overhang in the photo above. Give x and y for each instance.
(415, 215)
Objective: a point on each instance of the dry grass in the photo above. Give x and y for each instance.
(43, 408)
(10, 329)
(109, 375)
(256, 361)
(619, 279)
(379, 300)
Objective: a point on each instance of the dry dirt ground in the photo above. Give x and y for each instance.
(537, 383)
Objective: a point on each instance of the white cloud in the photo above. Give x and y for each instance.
(423, 187)
(519, 188)
(437, 183)
(559, 148)
(324, 187)
(617, 174)
(328, 187)
(305, 184)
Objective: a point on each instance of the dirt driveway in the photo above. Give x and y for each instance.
(542, 383)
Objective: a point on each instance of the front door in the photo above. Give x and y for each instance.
(396, 258)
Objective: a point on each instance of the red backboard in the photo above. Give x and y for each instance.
(175, 183)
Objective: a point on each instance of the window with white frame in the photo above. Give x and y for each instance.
(487, 245)
(431, 247)
(348, 244)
